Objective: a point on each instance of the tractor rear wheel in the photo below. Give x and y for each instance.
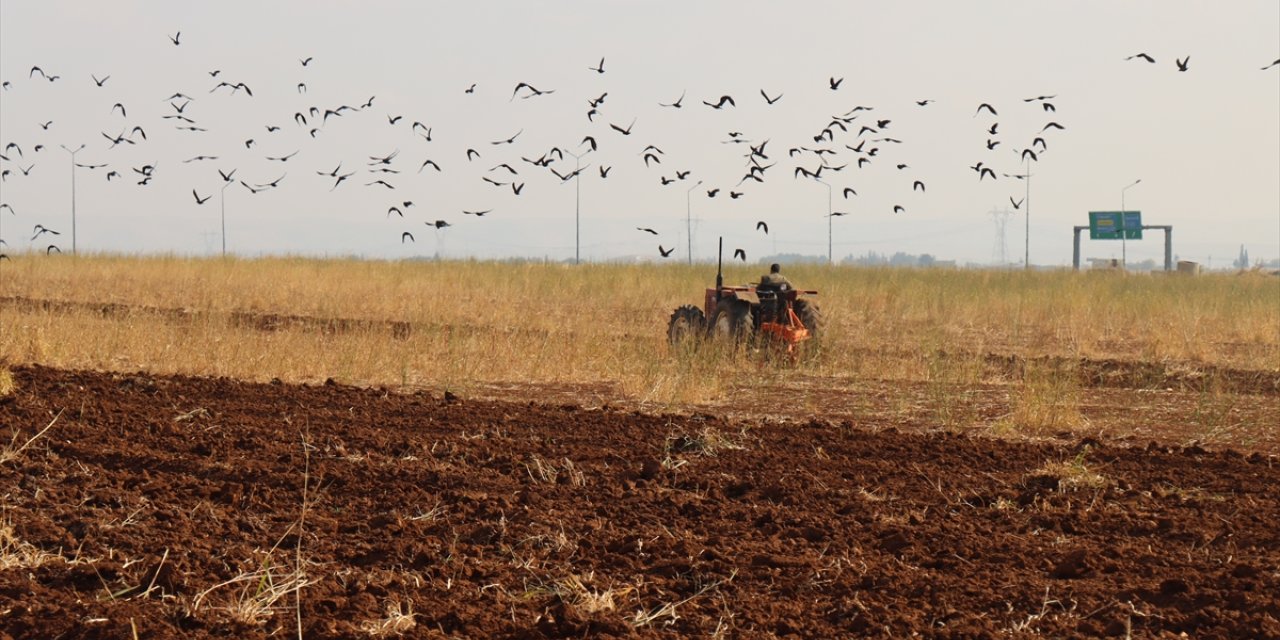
(809, 314)
(732, 321)
(686, 322)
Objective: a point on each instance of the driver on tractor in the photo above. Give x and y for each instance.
(774, 280)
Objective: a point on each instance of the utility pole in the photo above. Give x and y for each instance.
(1026, 206)
(829, 216)
(688, 218)
(222, 202)
(577, 204)
(1124, 250)
(73, 192)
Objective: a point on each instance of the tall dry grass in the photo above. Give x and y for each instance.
(484, 323)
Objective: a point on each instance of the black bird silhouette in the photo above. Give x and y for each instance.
(994, 126)
(439, 224)
(395, 210)
(532, 91)
(517, 188)
(248, 143)
(478, 214)
(992, 144)
(676, 104)
(1273, 64)
(924, 103)
(768, 99)
(1052, 125)
(899, 209)
(273, 183)
(834, 83)
(35, 70)
(471, 89)
(174, 38)
(509, 140)
(1017, 204)
(917, 186)
(305, 61)
(1032, 154)
(650, 156)
(283, 158)
(99, 82)
(984, 172)
(847, 191)
(51, 248)
(647, 230)
(406, 235)
(599, 68)
(739, 253)
(300, 119)
(666, 181)
(199, 158)
(1182, 64)
(711, 193)
(598, 101)
(1143, 56)
(510, 169)
(1048, 106)
(721, 102)
(761, 226)
(393, 119)
(368, 103)
(226, 177)
(425, 163)
(381, 182)
(470, 152)
(272, 128)
(251, 189)
(588, 140)
(734, 195)
(604, 171)
(987, 107)
(121, 108)
(112, 174)
(200, 200)
(681, 175)
(45, 125)
(625, 132)
(665, 252)
(302, 87)
(40, 230)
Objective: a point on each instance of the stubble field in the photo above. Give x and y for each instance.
(334, 449)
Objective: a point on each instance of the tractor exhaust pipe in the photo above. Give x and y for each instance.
(720, 269)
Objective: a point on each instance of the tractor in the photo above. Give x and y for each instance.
(745, 314)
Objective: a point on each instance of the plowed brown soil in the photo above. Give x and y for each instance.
(508, 520)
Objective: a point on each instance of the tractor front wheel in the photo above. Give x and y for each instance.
(686, 322)
(810, 315)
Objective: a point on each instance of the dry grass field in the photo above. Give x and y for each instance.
(343, 449)
(1005, 351)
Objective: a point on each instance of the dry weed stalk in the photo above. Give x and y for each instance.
(20, 554)
(11, 452)
(399, 619)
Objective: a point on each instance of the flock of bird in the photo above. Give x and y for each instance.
(851, 140)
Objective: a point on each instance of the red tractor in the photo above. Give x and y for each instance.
(749, 313)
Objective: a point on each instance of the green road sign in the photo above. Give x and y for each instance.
(1108, 225)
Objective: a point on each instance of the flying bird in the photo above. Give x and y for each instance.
(917, 186)
(532, 91)
(599, 68)
(174, 38)
(200, 200)
(395, 210)
(477, 214)
(432, 163)
(121, 108)
(283, 158)
(99, 82)
(721, 102)
(665, 252)
(1017, 204)
(848, 191)
(305, 61)
(674, 105)
(986, 106)
(40, 230)
(761, 226)
(1273, 64)
(509, 140)
(53, 247)
(711, 193)
(625, 132)
(1182, 64)
(439, 224)
(834, 83)
(405, 235)
(768, 99)
(647, 230)
(604, 171)
(1052, 125)
(1143, 56)
(739, 253)
(899, 209)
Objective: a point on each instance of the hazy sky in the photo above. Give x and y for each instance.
(1205, 142)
